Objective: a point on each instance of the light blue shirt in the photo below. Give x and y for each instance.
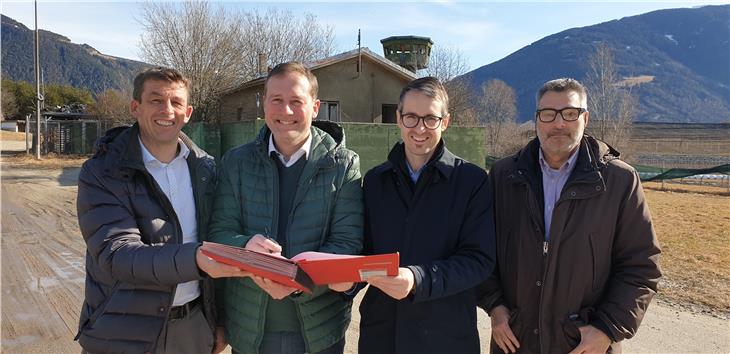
(553, 182)
(414, 175)
(174, 180)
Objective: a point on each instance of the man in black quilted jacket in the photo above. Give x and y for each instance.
(143, 207)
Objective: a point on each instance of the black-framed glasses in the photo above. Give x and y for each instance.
(569, 114)
(410, 120)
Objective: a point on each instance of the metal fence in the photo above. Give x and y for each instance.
(76, 137)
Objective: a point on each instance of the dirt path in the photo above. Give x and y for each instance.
(43, 274)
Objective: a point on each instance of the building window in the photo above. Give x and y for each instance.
(389, 113)
(329, 110)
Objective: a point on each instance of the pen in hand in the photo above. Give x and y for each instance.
(268, 237)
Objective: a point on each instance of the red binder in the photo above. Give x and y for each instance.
(327, 268)
(306, 269)
(276, 268)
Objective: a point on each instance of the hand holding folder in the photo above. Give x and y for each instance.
(306, 269)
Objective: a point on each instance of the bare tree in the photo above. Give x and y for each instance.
(112, 108)
(219, 49)
(9, 104)
(612, 107)
(447, 63)
(278, 36)
(497, 108)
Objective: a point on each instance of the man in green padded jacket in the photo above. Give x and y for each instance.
(295, 188)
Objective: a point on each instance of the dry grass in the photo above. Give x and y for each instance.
(693, 226)
(51, 161)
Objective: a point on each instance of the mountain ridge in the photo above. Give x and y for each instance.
(62, 61)
(685, 51)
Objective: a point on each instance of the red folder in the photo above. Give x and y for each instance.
(307, 268)
(327, 268)
(276, 268)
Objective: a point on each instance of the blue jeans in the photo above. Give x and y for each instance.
(291, 343)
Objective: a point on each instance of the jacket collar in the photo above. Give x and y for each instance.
(442, 160)
(593, 156)
(327, 138)
(122, 149)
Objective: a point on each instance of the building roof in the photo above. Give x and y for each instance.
(406, 38)
(367, 53)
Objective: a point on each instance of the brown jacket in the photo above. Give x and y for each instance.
(600, 266)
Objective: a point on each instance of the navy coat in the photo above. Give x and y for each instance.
(134, 252)
(444, 230)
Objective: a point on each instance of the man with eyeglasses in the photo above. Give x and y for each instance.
(577, 256)
(435, 209)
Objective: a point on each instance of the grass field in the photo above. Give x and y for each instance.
(692, 223)
(693, 227)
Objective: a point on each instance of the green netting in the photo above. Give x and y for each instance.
(651, 173)
(683, 172)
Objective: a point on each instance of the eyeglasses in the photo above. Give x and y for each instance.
(569, 114)
(410, 120)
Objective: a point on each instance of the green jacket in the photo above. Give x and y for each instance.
(327, 216)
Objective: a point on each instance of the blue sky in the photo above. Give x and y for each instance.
(484, 31)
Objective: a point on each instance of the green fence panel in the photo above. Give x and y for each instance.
(371, 141)
(206, 136)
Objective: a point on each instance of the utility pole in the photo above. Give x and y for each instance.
(38, 97)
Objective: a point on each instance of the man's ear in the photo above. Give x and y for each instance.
(134, 108)
(445, 122)
(315, 109)
(588, 115)
(188, 113)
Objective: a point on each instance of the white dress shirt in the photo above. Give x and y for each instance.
(303, 151)
(174, 180)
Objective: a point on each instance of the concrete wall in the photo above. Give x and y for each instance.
(243, 102)
(371, 141)
(360, 97)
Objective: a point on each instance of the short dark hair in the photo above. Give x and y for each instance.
(161, 74)
(294, 67)
(429, 86)
(560, 85)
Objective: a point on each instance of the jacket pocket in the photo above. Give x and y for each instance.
(570, 335)
(600, 263)
(98, 312)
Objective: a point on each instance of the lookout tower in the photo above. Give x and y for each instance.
(410, 52)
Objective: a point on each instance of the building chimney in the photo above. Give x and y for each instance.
(263, 65)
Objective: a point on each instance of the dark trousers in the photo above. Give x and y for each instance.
(190, 334)
(291, 343)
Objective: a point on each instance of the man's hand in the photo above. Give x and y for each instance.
(340, 287)
(398, 286)
(216, 269)
(220, 340)
(592, 340)
(274, 289)
(501, 331)
(263, 244)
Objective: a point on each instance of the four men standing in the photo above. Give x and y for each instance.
(575, 265)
